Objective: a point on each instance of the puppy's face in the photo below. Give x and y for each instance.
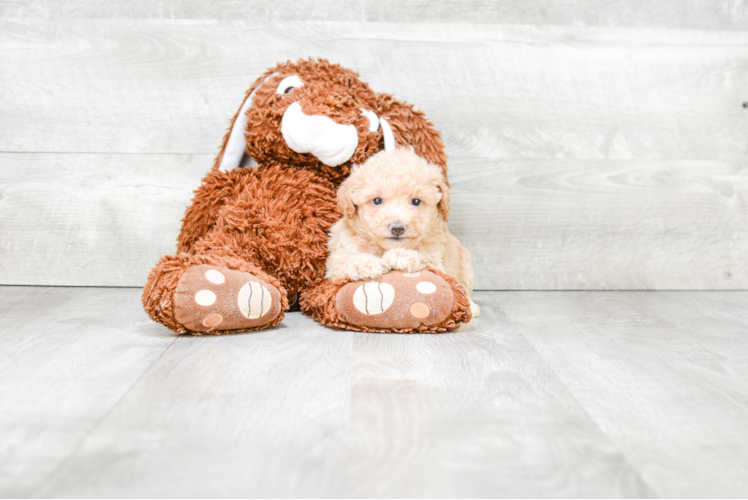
(395, 199)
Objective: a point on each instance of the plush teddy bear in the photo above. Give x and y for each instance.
(253, 243)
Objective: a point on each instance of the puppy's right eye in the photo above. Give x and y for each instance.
(377, 201)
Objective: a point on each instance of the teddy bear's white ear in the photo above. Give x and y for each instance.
(235, 155)
(389, 137)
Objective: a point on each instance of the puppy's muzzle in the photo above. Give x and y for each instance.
(397, 229)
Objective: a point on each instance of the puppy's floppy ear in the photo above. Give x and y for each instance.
(444, 202)
(345, 196)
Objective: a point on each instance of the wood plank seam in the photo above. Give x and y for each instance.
(50, 477)
(582, 408)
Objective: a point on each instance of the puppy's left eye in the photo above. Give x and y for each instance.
(415, 202)
(377, 201)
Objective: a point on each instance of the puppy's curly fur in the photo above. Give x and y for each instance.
(395, 209)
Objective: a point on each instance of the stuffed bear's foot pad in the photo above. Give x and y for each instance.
(210, 298)
(396, 301)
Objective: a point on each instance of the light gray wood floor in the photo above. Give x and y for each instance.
(546, 394)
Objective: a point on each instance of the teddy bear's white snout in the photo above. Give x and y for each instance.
(331, 142)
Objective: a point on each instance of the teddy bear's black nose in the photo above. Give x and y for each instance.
(397, 228)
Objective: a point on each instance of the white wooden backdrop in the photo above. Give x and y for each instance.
(593, 145)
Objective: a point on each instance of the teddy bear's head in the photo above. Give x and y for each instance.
(321, 116)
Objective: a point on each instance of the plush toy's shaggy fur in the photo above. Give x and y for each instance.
(271, 222)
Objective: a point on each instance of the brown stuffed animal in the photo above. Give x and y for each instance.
(253, 243)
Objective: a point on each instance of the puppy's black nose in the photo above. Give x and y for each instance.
(397, 228)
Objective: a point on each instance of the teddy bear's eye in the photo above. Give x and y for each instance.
(415, 202)
(288, 84)
(377, 201)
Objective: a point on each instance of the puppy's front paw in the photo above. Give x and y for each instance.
(402, 259)
(365, 267)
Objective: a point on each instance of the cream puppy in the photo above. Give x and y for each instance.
(395, 208)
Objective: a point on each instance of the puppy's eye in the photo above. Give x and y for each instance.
(415, 202)
(377, 201)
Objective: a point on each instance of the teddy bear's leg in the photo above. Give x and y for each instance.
(212, 294)
(425, 301)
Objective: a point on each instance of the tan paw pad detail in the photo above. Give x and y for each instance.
(373, 297)
(254, 300)
(396, 301)
(420, 310)
(212, 320)
(209, 298)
